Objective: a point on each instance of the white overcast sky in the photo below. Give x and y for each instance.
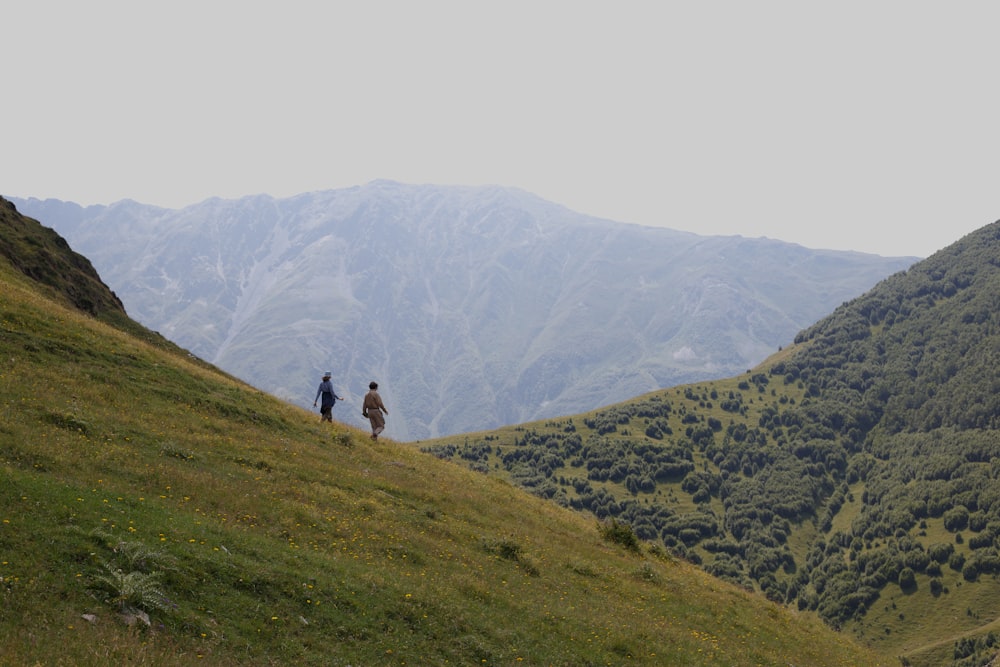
(860, 125)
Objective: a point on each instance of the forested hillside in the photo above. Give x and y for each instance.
(854, 473)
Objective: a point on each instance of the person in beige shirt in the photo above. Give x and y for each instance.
(374, 409)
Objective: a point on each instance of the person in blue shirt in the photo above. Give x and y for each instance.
(329, 398)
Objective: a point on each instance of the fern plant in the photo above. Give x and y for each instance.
(135, 589)
(132, 575)
(135, 555)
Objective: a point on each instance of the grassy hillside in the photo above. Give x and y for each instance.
(154, 511)
(855, 474)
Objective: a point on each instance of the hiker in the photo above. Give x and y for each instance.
(373, 409)
(329, 398)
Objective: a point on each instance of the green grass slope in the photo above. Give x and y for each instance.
(855, 474)
(154, 511)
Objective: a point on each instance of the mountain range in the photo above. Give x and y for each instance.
(473, 307)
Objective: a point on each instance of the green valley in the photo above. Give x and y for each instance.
(854, 474)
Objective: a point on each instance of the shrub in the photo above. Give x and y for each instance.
(956, 519)
(620, 534)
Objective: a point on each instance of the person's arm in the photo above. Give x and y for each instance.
(318, 392)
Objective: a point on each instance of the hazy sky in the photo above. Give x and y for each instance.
(870, 126)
